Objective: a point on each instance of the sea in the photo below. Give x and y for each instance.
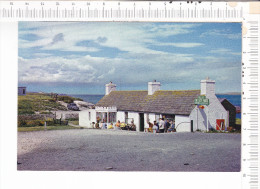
(233, 99)
(88, 98)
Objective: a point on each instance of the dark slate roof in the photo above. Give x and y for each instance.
(165, 102)
(221, 99)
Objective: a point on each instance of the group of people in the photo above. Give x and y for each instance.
(117, 126)
(163, 126)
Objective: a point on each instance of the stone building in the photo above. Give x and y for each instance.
(21, 90)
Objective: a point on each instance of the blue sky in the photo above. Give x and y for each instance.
(81, 57)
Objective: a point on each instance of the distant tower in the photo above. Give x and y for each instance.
(207, 87)
(153, 86)
(110, 87)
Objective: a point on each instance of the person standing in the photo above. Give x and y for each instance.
(154, 127)
(104, 125)
(161, 125)
(167, 125)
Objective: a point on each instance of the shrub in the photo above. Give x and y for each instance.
(66, 99)
(26, 111)
(46, 112)
(30, 123)
(79, 99)
(21, 123)
(52, 100)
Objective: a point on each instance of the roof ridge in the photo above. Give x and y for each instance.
(181, 90)
(156, 91)
(131, 91)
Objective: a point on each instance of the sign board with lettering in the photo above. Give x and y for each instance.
(201, 100)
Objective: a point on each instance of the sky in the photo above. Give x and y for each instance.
(81, 57)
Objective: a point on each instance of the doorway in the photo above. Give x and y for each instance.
(220, 124)
(141, 116)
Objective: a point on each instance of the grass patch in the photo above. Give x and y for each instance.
(238, 121)
(41, 128)
(41, 102)
(74, 122)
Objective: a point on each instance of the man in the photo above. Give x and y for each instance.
(157, 126)
(161, 125)
(167, 125)
(172, 127)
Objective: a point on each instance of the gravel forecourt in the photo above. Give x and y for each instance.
(112, 150)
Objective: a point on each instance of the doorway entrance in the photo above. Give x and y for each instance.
(141, 123)
(220, 124)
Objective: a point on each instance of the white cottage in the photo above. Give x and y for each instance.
(213, 116)
(147, 106)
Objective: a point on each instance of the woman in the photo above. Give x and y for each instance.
(150, 127)
(110, 126)
(117, 125)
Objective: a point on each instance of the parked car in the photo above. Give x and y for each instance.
(72, 106)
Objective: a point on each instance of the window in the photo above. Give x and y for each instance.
(89, 116)
(112, 117)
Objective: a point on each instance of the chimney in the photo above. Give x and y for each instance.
(207, 87)
(153, 86)
(110, 87)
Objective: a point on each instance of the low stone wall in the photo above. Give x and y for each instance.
(48, 116)
(71, 116)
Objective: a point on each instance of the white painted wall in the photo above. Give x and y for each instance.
(182, 123)
(199, 119)
(146, 118)
(136, 118)
(215, 111)
(151, 117)
(120, 116)
(85, 120)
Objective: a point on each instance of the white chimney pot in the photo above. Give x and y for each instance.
(153, 87)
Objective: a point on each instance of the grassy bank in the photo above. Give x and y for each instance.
(41, 128)
(41, 102)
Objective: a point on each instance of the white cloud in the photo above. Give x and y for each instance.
(221, 33)
(74, 33)
(224, 51)
(137, 63)
(182, 45)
